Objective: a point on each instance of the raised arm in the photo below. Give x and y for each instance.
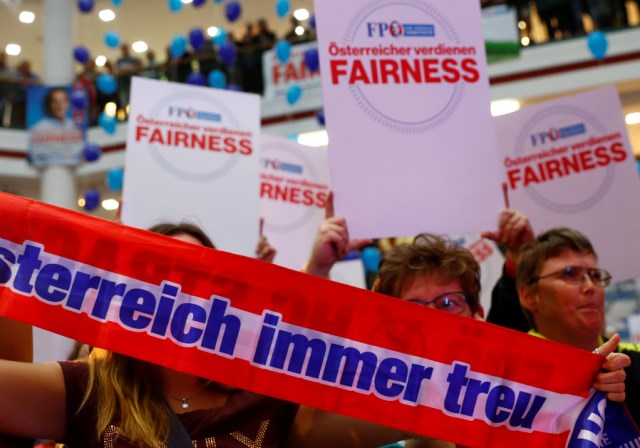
(264, 250)
(32, 400)
(514, 230)
(331, 244)
(16, 340)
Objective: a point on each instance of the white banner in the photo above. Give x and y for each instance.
(192, 154)
(279, 76)
(568, 162)
(294, 188)
(407, 105)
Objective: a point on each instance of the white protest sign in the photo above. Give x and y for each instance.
(568, 162)
(407, 105)
(349, 272)
(279, 76)
(192, 155)
(294, 188)
(490, 259)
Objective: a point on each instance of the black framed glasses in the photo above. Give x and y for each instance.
(455, 302)
(575, 275)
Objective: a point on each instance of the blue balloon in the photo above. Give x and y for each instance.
(115, 178)
(293, 94)
(598, 44)
(116, 2)
(81, 54)
(178, 46)
(282, 8)
(355, 255)
(320, 117)
(217, 79)
(234, 88)
(175, 5)
(79, 99)
(311, 59)
(85, 6)
(196, 38)
(312, 21)
(196, 79)
(108, 123)
(371, 258)
(232, 11)
(91, 152)
(107, 84)
(198, 3)
(111, 39)
(228, 53)
(283, 50)
(91, 199)
(221, 37)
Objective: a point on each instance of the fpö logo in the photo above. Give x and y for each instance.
(397, 29)
(192, 114)
(555, 134)
(277, 165)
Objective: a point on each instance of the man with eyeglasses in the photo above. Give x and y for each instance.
(561, 288)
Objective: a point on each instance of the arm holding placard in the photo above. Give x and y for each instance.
(264, 250)
(514, 230)
(331, 244)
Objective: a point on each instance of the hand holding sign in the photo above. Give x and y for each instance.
(264, 250)
(514, 230)
(332, 243)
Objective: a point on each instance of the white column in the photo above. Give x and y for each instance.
(58, 42)
(57, 183)
(58, 186)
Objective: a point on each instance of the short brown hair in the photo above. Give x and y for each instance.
(548, 245)
(171, 229)
(434, 255)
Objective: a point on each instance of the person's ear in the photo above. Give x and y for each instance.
(528, 297)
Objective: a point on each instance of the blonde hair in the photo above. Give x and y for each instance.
(124, 390)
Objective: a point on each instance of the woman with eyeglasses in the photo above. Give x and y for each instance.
(434, 271)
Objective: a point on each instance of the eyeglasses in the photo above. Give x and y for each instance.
(452, 302)
(575, 275)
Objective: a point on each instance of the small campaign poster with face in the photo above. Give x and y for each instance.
(568, 162)
(56, 130)
(294, 189)
(412, 144)
(192, 155)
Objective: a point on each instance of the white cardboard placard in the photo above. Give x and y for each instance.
(192, 154)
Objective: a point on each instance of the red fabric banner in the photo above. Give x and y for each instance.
(286, 334)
